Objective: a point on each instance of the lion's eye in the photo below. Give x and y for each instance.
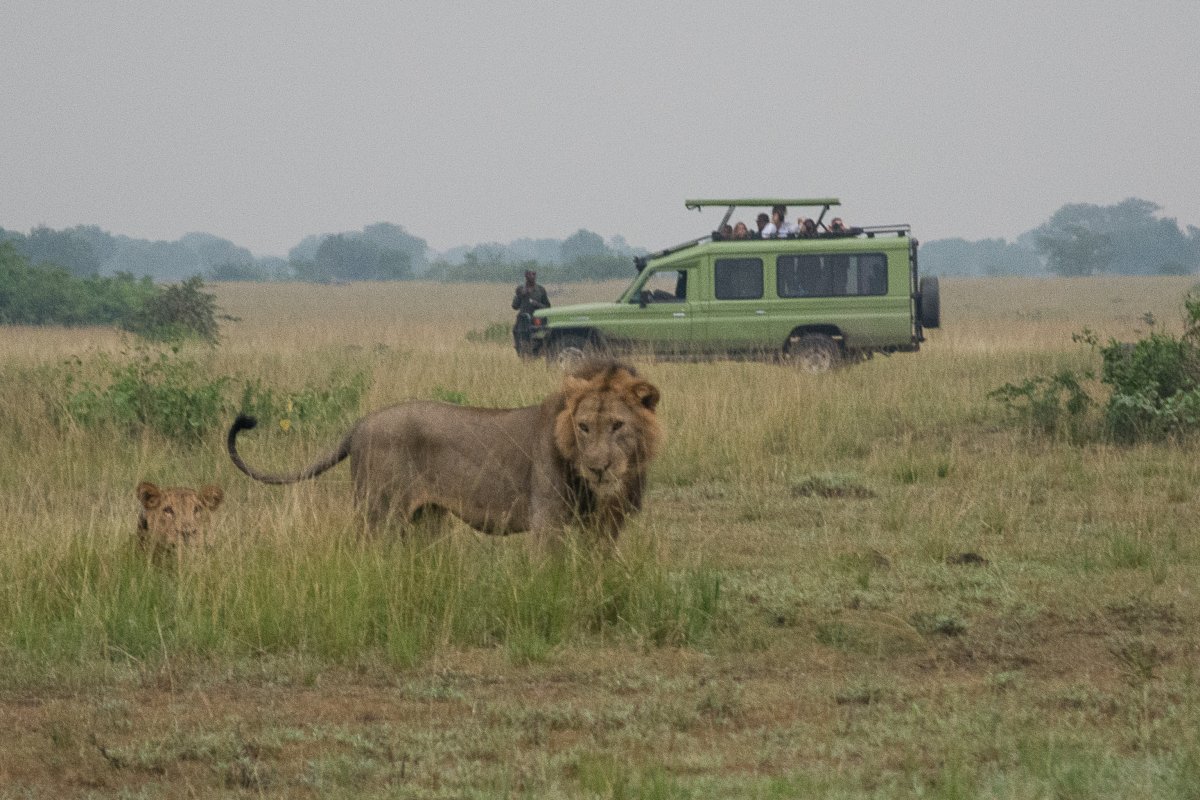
(618, 425)
(583, 426)
(196, 510)
(170, 512)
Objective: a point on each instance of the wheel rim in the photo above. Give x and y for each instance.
(810, 357)
(570, 356)
(813, 360)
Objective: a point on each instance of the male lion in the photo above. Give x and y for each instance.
(174, 517)
(582, 454)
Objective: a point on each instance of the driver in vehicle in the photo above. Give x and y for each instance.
(663, 296)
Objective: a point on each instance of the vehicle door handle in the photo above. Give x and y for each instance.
(760, 312)
(679, 314)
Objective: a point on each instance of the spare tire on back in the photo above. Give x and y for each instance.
(929, 304)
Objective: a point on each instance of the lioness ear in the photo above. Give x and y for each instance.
(149, 495)
(212, 495)
(646, 394)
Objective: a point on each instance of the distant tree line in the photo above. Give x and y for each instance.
(382, 251)
(1128, 238)
(581, 256)
(1080, 239)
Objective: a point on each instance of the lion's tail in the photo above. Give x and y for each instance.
(330, 459)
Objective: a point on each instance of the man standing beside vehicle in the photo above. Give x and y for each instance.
(529, 297)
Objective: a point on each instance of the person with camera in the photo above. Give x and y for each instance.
(529, 297)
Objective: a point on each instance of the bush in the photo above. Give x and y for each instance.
(175, 313)
(172, 396)
(162, 392)
(50, 295)
(1054, 405)
(1154, 389)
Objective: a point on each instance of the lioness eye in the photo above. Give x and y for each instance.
(583, 426)
(618, 425)
(169, 510)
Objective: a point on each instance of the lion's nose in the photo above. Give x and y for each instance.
(598, 472)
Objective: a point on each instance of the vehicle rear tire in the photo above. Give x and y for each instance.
(930, 310)
(813, 352)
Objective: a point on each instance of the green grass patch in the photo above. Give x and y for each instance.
(399, 600)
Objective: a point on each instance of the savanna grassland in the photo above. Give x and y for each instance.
(869, 583)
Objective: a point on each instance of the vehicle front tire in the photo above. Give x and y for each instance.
(813, 352)
(568, 352)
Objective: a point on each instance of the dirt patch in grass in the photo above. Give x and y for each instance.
(831, 486)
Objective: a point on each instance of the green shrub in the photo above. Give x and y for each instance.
(1055, 404)
(172, 395)
(162, 391)
(1155, 384)
(1154, 389)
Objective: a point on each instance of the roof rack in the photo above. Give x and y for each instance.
(899, 230)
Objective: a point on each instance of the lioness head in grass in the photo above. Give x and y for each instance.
(607, 429)
(581, 455)
(173, 517)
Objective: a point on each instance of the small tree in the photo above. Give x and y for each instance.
(182, 311)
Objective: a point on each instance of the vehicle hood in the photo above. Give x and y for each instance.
(576, 313)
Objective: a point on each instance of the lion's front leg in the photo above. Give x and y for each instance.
(548, 524)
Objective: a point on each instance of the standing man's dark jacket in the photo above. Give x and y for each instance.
(529, 299)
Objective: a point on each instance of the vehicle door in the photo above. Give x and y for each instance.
(661, 313)
(734, 317)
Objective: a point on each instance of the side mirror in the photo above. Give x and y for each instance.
(644, 298)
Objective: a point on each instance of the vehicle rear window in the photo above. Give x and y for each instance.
(832, 275)
(738, 278)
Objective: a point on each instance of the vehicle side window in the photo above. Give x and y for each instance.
(832, 275)
(738, 278)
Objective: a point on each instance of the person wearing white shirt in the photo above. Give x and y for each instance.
(778, 227)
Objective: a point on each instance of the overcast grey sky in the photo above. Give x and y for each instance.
(471, 122)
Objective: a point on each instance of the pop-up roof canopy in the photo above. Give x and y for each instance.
(823, 202)
(820, 201)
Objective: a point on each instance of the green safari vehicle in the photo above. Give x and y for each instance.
(815, 298)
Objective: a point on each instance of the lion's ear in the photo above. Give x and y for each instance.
(647, 394)
(149, 495)
(211, 496)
